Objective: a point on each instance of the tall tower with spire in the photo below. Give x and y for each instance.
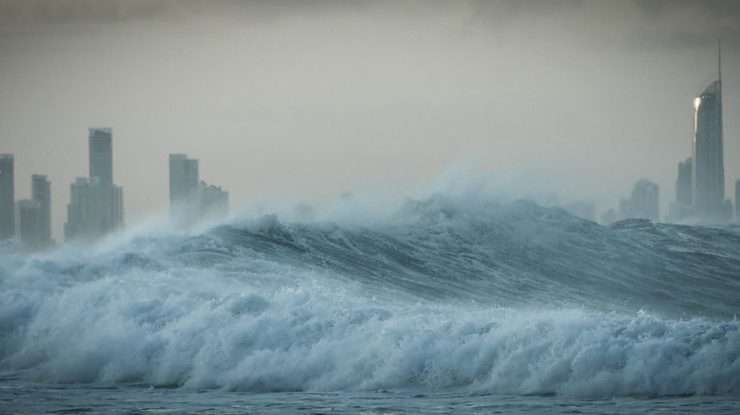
(708, 170)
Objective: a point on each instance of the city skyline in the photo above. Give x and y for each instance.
(95, 205)
(192, 199)
(540, 96)
(700, 184)
(699, 188)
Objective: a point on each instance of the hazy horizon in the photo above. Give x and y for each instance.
(303, 101)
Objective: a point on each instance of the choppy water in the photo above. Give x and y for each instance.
(442, 307)
(142, 400)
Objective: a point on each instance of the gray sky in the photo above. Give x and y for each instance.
(301, 101)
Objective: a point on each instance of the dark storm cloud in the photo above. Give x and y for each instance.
(717, 8)
(646, 24)
(20, 12)
(505, 8)
(688, 23)
(669, 21)
(34, 12)
(40, 12)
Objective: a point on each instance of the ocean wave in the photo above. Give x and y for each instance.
(493, 298)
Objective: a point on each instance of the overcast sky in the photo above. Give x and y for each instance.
(305, 100)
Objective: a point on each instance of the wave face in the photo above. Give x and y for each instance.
(486, 298)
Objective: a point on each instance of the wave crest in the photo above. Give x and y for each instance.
(500, 298)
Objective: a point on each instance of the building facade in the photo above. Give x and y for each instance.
(643, 202)
(184, 187)
(41, 193)
(94, 209)
(30, 235)
(82, 211)
(100, 144)
(191, 199)
(708, 172)
(214, 201)
(681, 208)
(683, 183)
(737, 201)
(96, 203)
(7, 197)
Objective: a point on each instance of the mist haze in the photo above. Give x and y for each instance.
(303, 101)
(398, 214)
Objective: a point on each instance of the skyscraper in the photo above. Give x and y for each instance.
(116, 218)
(101, 154)
(214, 201)
(737, 201)
(708, 171)
(643, 202)
(41, 193)
(191, 199)
(7, 197)
(680, 209)
(29, 224)
(683, 183)
(183, 186)
(96, 203)
(94, 209)
(83, 210)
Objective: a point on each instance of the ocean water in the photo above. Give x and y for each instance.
(440, 307)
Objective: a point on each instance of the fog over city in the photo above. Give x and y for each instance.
(406, 206)
(293, 101)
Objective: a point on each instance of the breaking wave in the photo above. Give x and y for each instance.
(488, 298)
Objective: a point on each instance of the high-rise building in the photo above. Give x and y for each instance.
(82, 211)
(7, 197)
(191, 199)
(96, 203)
(30, 224)
(41, 193)
(184, 190)
(680, 209)
(643, 202)
(737, 201)
(116, 218)
(683, 183)
(101, 154)
(184, 181)
(214, 201)
(708, 171)
(94, 209)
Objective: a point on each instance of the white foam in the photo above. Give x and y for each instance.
(270, 327)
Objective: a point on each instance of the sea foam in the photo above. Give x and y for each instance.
(271, 306)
